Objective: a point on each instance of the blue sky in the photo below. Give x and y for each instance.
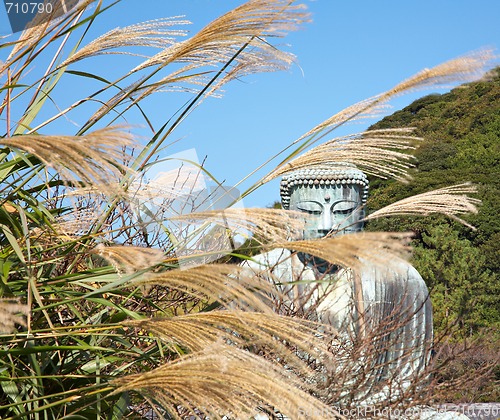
(350, 51)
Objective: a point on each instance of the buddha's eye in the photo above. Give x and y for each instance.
(345, 207)
(310, 208)
(347, 211)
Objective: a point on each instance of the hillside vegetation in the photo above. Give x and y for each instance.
(461, 132)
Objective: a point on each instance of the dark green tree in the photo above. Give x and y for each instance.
(461, 132)
(463, 291)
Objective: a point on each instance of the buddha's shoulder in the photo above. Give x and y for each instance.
(405, 268)
(398, 267)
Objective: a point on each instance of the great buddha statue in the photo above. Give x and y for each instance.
(393, 308)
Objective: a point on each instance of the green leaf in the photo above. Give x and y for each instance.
(13, 242)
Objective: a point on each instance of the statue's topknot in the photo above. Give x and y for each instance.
(339, 173)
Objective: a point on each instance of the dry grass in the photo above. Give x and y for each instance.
(449, 201)
(354, 250)
(467, 371)
(11, 313)
(251, 330)
(76, 223)
(71, 226)
(264, 224)
(221, 39)
(223, 283)
(376, 152)
(32, 37)
(129, 259)
(223, 381)
(462, 69)
(231, 46)
(360, 110)
(363, 370)
(94, 160)
(155, 34)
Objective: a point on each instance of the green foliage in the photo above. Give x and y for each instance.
(462, 290)
(461, 132)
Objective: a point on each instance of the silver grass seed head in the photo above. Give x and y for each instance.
(336, 173)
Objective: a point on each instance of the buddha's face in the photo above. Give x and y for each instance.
(331, 209)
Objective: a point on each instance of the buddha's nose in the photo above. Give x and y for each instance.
(326, 223)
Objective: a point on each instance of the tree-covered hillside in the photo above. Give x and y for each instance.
(461, 131)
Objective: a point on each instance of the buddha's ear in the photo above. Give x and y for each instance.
(360, 213)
